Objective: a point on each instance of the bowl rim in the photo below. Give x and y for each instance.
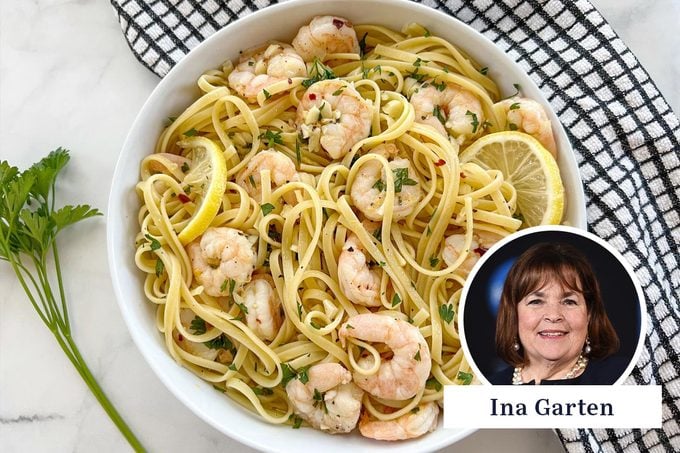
(117, 194)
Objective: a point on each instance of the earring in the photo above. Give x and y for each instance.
(587, 349)
(515, 346)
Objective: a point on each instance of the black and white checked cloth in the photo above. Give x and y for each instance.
(624, 134)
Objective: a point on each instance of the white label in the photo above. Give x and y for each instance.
(552, 406)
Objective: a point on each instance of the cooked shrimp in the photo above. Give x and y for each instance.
(527, 115)
(219, 255)
(408, 426)
(400, 377)
(358, 282)
(186, 317)
(263, 306)
(324, 35)
(452, 111)
(453, 247)
(281, 167)
(263, 66)
(368, 190)
(328, 400)
(333, 114)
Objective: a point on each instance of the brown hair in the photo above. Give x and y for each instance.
(536, 267)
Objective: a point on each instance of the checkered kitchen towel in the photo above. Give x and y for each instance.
(624, 134)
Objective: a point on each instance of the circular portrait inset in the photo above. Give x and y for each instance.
(552, 305)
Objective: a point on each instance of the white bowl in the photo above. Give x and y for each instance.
(176, 91)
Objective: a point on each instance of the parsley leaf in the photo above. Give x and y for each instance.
(159, 267)
(396, 300)
(318, 72)
(437, 112)
(475, 121)
(270, 137)
(155, 245)
(401, 179)
(198, 326)
(433, 383)
(446, 312)
(191, 132)
(267, 208)
(434, 261)
(220, 342)
(465, 378)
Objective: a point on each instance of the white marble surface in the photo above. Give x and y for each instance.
(67, 78)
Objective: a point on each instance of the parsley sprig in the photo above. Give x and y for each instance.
(29, 225)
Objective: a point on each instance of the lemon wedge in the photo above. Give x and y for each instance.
(531, 170)
(207, 178)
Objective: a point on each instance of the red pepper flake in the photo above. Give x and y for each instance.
(462, 175)
(290, 81)
(180, 337)
(312, 96)
(338, 23)
(183, 198)
(480, 250)
(440, 162)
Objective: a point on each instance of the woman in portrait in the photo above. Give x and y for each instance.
(552, 327)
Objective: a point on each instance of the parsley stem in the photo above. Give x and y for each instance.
(60, 283)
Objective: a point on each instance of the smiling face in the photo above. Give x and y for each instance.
(553, 324)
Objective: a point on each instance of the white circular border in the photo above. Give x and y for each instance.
(553, 228)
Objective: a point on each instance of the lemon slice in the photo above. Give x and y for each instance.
(531, 170)
(207, 178)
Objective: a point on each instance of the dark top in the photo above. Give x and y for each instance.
(598, 372)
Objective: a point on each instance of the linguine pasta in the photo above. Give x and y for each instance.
(298, 229)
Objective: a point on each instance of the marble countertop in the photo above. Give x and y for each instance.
(67, 78)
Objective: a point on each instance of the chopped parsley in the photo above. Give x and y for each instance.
(338, 91)
(267, 208)
(401, 179)
(514, 106)
(465, 378)
(512, 126)
(185, 167)
(272, 137)
(433, 383)
(318, 72)
(362, 46)
(475, 121)
(298, 153)
(319, 400)
(290, 373)
(155, 245)
(396, 300)
(198, 326)
(380, 185)
(242, 307)
(434, 261)
(484, 70)
(223, 286)
(159, 267)
(252, 180)
(267, 95)
(437, 112)
(417, 356)
(220, 342)
(446, 312)
(191, 132)
(263, 391)
(297, 421)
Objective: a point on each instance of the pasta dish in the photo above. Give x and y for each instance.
(308, 223)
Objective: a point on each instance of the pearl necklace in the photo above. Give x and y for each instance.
(580, 364)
